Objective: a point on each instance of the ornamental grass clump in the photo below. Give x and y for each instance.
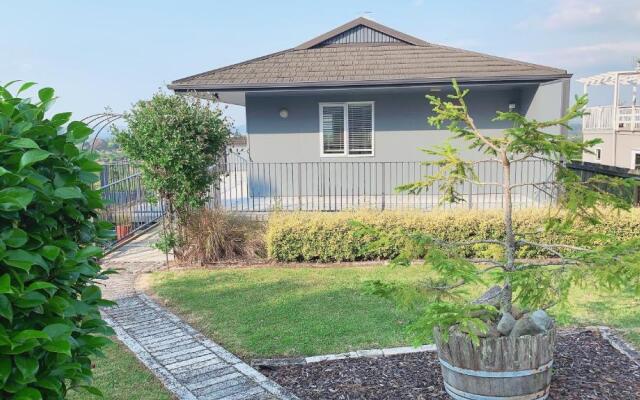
(594, 256)
(50, 233)
(208, 236)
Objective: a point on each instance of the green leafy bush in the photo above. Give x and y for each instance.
(333, 237)
(175, 140)
(50, 325)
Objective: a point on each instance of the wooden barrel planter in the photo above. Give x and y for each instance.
(502, 368)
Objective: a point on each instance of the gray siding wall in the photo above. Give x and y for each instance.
(548, 101)
(401, 129)
(401, 126)
(360, 34)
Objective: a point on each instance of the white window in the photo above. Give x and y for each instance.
(346, 129)
(598, 154)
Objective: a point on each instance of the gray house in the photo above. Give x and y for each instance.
(356, 95)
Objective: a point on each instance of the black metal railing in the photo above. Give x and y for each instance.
(128, 205)
(255, 187)
(334, 186)
(587, 170)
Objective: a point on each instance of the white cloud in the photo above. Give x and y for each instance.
(572, 14)
(587, 56)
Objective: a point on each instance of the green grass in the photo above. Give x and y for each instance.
(120, 376)
(620, 310)
(267, 312)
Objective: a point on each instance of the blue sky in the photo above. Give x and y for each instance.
(112, 53)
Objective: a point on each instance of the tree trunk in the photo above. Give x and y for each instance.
(509, 238)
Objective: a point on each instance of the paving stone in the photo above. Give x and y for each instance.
(160, 337)
(178, 341)
(224, 388)
(247, 394)
(211, 381)
(203, 373)
(177, 350)
(166, 331)
(154, 330)
(191, 362)
(182, 357)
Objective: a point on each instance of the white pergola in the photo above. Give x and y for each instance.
(615, 79)
(619, 115)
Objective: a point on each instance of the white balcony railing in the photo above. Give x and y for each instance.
(600, 118)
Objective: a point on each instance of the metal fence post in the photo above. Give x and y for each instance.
(383, 187)
(299, 186)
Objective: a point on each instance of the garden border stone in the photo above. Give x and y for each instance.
(607, 333)
(619, 344)
(371, 353)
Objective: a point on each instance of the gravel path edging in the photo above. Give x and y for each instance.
(619, 344)
(370, 353)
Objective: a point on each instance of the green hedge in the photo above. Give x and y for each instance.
(329, 237)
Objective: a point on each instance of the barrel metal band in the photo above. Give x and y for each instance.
(496, 374)
(457, 394)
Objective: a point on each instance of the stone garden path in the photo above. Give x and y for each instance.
(191, 366)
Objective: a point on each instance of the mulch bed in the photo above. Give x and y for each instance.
(586, 367)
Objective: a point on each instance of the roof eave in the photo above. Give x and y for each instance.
(181, 87)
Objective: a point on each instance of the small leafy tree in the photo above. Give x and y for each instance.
(597, 259)
(175, 140)
(50, 324)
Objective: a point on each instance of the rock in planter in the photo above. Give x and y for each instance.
(532, 324)
(542, 319)
(490, 297)
(516, 312)
(506, 324)
(491, 332)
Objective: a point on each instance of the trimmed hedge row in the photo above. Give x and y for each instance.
(329, 237)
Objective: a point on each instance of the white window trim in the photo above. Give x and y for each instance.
(345, 106)
(596, 150)
(633, 158)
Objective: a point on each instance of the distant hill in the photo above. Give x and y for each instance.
(576, 129)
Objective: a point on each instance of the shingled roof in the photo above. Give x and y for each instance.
(364, 53)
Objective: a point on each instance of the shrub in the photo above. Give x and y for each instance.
(214, 235)
(50, 324)
(332, 237)
(175, 140)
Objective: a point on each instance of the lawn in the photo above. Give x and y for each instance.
(268, 312)
(120, 376)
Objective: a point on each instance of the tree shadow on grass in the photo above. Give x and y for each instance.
(287, 318)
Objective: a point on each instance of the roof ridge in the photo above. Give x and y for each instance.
(364, 22)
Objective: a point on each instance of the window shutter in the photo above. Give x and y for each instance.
(333, 129)
(360, 129)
